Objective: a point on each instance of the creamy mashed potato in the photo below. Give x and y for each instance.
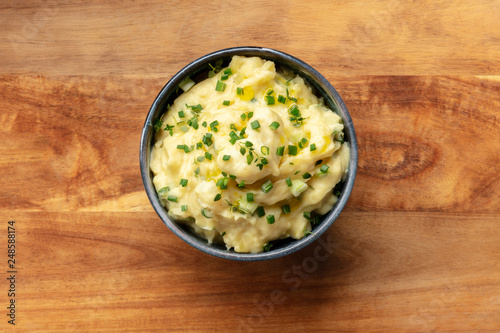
(249, 156)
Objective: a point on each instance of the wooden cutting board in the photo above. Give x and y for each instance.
(417, 248)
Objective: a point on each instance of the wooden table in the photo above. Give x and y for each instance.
(417, 248)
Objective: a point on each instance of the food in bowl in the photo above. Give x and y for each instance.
(248, 156)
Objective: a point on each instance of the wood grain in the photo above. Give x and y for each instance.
(415, 250)
(395, 37)
(426, 143)
(416, 247)
(126, 271)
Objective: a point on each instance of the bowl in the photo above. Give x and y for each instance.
(199, 68)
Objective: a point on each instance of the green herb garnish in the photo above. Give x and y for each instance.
(260, 211)
(157, 125)
(274, 125)
(255, 124)
(280, 151)
(267, 186)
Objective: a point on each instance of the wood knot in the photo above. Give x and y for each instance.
(394, 156)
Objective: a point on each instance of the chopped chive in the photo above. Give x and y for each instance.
(186, 84)
(324, 168)
(206, 213)
(243, 150)
(312, 147)
(220, 86)
(280, 151)
(234, 137)
(264, 150)
(183, 182)
(208, 156)
(303, 142)
(233, 127)
(172, 198)
(242, 132)
(218, 196)
(306, 175)
(181, 146)
(213, 126)
(184, 128)
(228, 71)
(292, 150)
(318, 162)
(240, 91)
(200, 158)
(255, 124)
(195, 108)
(281, 99)
(270, 219)
(249, 197)
(250, 115)
(270, 92)
(243, 116)
(207, 139)
(197, 171)
(270, 100)
(199, 145)
(226, 157)
(288, 182)
(224, 77)
(193, 122)
(223, 234)
(260, 211)
(242, 184)
(226, 103)
(163, 190)
(294, 110)
(267, 186)
(286, 209)
(181, 114)
(274, 125)
(184, 208)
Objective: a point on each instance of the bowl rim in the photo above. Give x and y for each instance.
(303, 69)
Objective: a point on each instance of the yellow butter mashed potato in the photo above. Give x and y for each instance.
(248, 156)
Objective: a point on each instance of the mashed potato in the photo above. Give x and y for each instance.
(249, 156)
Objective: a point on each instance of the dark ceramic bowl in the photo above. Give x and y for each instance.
(198, 69)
